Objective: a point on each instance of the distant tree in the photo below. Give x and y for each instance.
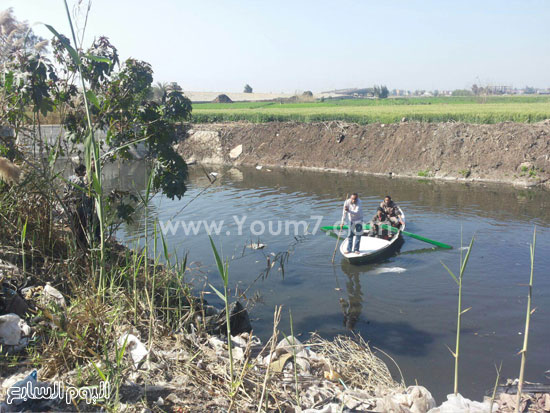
(308, 93)
(247, 88)
(529, 90)
(159, 91)
(462, 92)
(476, 89)
(174, 87)
(384, 92)
(376, 91)
(436, 93)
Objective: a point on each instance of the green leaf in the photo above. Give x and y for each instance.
(121, 351)
(218, 292)
(88, 153)
(95, 184)
(72, 52)
(463, 267)
(98, 59)
(464, 311)
(8, 81)
(450, 272)
(90, 95)
(219, 263)
(24, 232)
(101, 375)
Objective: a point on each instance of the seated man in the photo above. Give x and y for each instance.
(379, 218)
(392, 211)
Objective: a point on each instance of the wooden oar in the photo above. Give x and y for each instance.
(393, 229)
(338, 239)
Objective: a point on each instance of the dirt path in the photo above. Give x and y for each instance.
(509, 152)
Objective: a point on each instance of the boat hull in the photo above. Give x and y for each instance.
(372, 249)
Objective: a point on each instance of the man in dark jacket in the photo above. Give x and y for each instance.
(392, 211)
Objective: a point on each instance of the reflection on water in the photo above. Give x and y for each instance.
(405, 305)
(352, 307)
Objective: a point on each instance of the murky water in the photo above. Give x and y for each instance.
(406, 305)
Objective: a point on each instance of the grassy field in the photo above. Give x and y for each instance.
(437, 109)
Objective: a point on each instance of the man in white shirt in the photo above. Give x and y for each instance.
(352, 207)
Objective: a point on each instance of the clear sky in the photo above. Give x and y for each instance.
(285, 46)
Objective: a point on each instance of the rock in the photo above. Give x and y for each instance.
(238, 319)
(13, 329)
(137, 349)
(236, 152)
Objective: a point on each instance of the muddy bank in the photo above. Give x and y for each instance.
(508, 152)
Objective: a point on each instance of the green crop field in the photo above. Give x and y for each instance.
(437, 109)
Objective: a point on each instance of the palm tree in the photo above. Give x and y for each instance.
(160, 91)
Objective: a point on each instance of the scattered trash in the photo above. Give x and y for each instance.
(137, 349)
(256, 246)
(458, 404)
(332, 375)
(13, 330)
(259, 167)
(278, 365)
(51, 294)
(13, 302)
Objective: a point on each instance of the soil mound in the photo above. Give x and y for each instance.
(222, 99)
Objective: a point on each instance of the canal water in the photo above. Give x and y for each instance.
(406, 305)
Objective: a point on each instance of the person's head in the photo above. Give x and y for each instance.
(80, 170)
(354, 197)
(387, 199)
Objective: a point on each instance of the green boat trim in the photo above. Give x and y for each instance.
(393, 229)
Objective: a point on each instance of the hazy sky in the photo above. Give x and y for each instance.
(317, 45)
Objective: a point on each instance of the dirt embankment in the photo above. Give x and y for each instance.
(507, 152)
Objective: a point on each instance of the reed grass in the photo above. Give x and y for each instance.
(223, 270)
(460, 311)
(493, 395)
(527, 321)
